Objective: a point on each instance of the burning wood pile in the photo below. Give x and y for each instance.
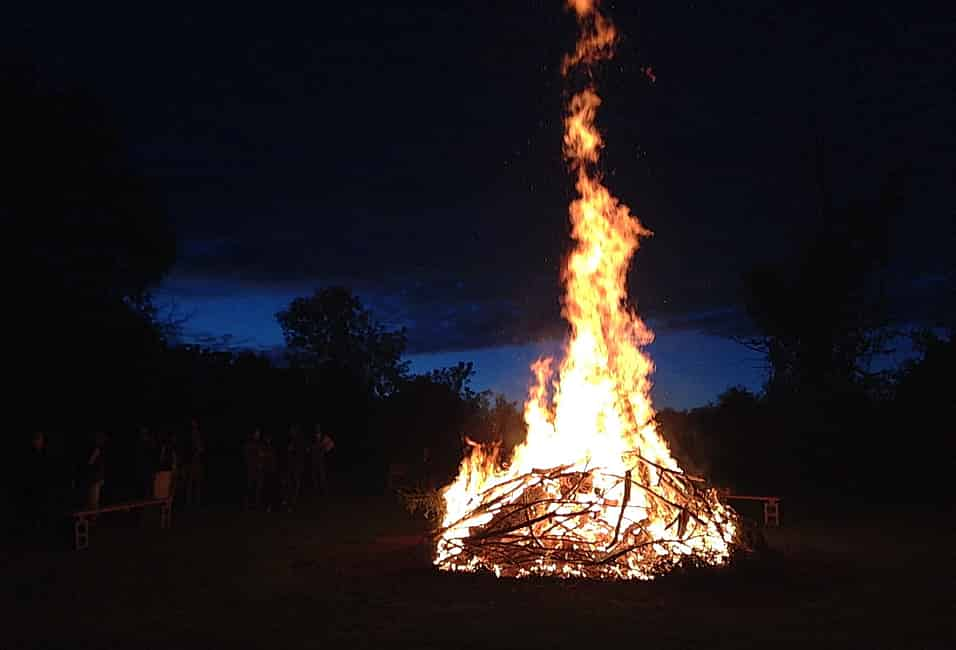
(594, 523)
(593, 491)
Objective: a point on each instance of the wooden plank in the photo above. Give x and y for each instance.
(81, 524)
(750, 498)
(118, 507)
(771, 506)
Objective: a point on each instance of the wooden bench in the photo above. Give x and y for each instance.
(771, 506)
(81, 518)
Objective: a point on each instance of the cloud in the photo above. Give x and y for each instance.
(727, 322)
(440, 311)
(437, 315)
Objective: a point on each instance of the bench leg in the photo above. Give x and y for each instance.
(771, 513)
(81, 533)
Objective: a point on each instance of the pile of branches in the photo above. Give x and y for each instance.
(555, 522)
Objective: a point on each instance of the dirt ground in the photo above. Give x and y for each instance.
(351, 574)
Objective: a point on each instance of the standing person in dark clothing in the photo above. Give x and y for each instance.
(270, 472)
(95, 470)
(183, 458)
(146, 457)
(252, 455)
(280, 446)
(167, 464)
(38, 486)
(322, 444)
(193, 457)
(295, 466)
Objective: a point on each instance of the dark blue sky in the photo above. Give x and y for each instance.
(413, 154)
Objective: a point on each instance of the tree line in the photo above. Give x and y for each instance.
(90, 241)
(834, 419)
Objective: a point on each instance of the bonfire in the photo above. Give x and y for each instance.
(593, 491)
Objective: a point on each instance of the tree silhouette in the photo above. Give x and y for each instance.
(822, 318)
(85, 219)
(331, 331)
(87, 240)
(436, 411)
(924, 406)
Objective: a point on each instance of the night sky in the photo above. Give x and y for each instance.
(414, 154)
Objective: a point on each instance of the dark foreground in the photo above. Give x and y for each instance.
(350, 575)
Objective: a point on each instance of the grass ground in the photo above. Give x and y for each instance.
(351, 575)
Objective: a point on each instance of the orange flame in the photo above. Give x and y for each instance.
(595, 415)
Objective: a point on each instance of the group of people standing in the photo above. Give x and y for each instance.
(51, 480)
(167, 466)
(75, 474)
(277, 469)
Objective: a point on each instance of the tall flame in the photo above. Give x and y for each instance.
(594, 415)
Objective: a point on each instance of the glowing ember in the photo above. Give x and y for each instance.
(593, 491)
